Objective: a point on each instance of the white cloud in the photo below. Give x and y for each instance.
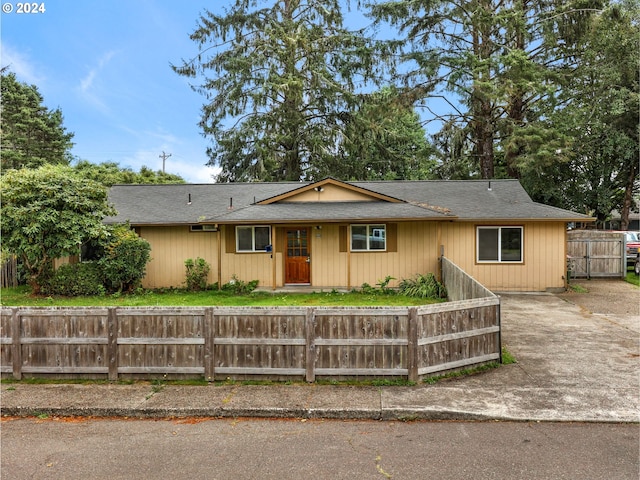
(159, 134)
(186, 156)
(89, 90)
(20, 65)
(87, 82)
(194, 173)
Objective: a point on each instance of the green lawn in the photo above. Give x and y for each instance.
(22, 296)
(633, 278)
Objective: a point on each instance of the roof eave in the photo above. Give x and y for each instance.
(281, 221)
(527, 219)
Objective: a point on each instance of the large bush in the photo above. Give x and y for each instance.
(46, 213)
(75, 280)
(125, 259)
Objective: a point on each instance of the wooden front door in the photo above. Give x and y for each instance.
(297, 256)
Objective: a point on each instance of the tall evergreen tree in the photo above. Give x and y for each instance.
(31, 134)
(543, 48)
(498, 60)
(453, 46)
(598, 111)
(279, 77)
(383, 139)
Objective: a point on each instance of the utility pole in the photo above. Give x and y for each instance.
(164, 157)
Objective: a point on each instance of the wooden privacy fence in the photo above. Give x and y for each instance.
(593, 253)
(249, 342)
(9, 272)
(460, 285)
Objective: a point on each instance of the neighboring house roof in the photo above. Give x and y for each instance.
(273, 202)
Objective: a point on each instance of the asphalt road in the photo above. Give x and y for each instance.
(291, 449)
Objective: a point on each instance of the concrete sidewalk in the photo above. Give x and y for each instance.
(572, 365)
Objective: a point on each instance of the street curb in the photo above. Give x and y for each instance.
(288, 413)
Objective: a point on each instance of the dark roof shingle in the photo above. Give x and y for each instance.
(235, 203)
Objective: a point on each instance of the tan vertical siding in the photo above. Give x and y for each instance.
(416, 253)
(544, 259)
(330, 193)
(245, 266)
(170, 247)
(328, 264)
(418, 247)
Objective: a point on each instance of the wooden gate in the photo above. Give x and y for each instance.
(596, 254)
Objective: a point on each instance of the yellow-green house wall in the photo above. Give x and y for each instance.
(544, 256)
(418, 248)
(170, 247)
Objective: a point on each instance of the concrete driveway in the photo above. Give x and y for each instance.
(578, 359)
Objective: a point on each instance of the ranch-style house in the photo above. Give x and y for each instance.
(336, 234)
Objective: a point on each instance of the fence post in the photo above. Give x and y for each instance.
(623, 272)
(16, 347)
(310, 340)
(112, 343)
(499, 325)
(412, 344)
(209, 344)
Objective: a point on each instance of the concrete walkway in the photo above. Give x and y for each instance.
(572, 365)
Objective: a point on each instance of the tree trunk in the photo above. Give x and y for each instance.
(482, 109)
(628, 194)
(513, 151)
(516, 103)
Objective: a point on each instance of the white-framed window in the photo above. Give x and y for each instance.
(499, 244)
(203, 228)
(254, 238)
(366, 238)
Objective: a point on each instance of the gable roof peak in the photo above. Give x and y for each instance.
(319, 186)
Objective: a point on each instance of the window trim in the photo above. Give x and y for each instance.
(253, 238)
(499, 246)
(369, 226)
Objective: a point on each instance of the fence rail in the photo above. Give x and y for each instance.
(249, 342)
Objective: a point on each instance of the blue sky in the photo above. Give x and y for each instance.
(106, 65)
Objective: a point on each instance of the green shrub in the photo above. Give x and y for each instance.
(125, 259)
(73, 280)
(197, 273)
(239, 287)
(423, 286)
(382, 287)
(367, 289)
